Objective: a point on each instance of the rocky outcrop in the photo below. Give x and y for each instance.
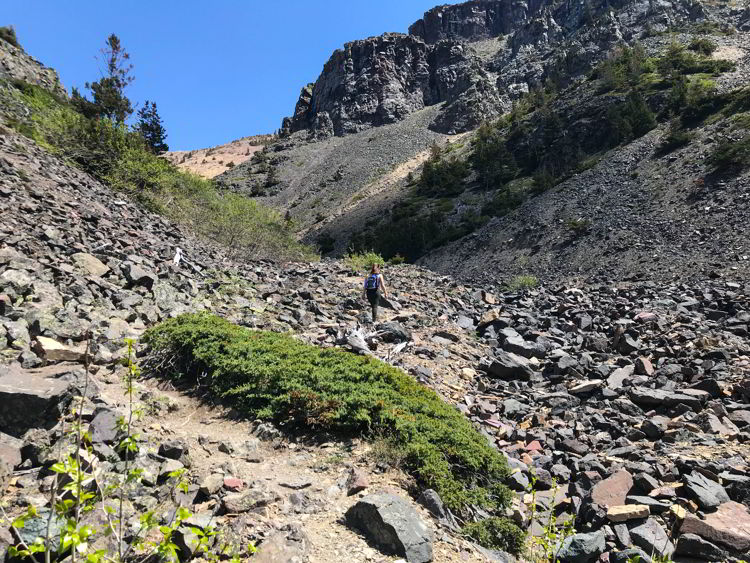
(381, 80)
(16, 64)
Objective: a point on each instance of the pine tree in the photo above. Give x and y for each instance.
(109, 91)
(151, 128)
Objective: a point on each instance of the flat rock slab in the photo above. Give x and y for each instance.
(30, 401)
(627, 512)
(53, 351)
(652, 538)
(729, 526)
(393, 525)
(613, 490)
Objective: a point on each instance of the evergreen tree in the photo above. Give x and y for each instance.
(151, 128)
(109, 92)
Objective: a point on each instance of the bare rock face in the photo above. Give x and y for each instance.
(16, 64)
(384, 79)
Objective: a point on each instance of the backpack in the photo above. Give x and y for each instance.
(372, 281)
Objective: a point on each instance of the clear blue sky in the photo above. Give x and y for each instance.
(217, 70)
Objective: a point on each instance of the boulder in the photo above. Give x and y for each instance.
(393, 525)
(626, 512)
(104, 428)
(729, 526)
(138, 276)
(651, 537)
(258, 494)
(613, 490)
(53, 351)
(507, 365)
(582, 548)
(356, 482)
(31, 401)
(695, 546)
(90, 264)
(707, 493)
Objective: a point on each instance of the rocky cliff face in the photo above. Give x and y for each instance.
(16, 64)
(475, 58)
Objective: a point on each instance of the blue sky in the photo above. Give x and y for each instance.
(217, 70)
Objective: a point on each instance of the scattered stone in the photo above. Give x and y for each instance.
(707, 493)
(582, 548)
(627, 512)
(356, 482)
(393, 526)
(729, 526)
(651, 537)
(613, 490)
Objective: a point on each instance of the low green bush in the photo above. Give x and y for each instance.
(703, 45)
(731, 156)
(275, 377)
(496, 533)
(442, 175)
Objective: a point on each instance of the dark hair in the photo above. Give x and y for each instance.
(374, 269)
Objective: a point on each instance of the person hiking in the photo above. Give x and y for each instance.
(373, 284)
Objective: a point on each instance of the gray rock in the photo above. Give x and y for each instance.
(628, 555)
(256, 496)
(10, 457)
(582, 548)
(507, 365)
(31, 401)
(651, 537)
(392, 525)
(104, 428)
(695, 546)
(707, 493)
(138, 276)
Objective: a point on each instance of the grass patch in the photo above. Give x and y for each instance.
(495, 533)
(119, 158)
(522, 282)
(276, 377)
(731, 157)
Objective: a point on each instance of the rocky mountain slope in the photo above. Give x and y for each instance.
(213, 161)
(351, 153)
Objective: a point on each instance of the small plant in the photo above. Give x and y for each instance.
(495, 533)
(231, 164)
(578, 225)
(703, 45)
(396, 260)
(520, 283)
(675, 138)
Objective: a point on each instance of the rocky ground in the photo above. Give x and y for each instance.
(626, 404)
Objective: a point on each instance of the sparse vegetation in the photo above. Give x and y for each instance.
(442, 175)
(360, 262)
(495, 533)
(120, 158)
(578, 225)
(276, 377)
(703, 46)
(522, 282)
(8, 33)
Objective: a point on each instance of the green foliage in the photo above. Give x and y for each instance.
(679, 61)
(496, 533)
(630, 119)
(276, 377)
(578, 225)
(109, 99)
(441, 175)
(120, 158)
(731, 156)
(151, 129)
(396, 260)
(491, 158)
(623, 69)
(675, 138)
(361, 262)
(522, 282)
(703, 46)
(8, 33)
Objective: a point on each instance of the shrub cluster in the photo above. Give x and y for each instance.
(8, 33)
(276, 377)
(442, 175)
(120, 158)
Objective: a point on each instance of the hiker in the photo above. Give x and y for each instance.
(373, 284)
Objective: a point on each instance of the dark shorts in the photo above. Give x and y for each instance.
(373, 296)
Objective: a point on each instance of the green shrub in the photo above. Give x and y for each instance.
(496, 533)
(731, 156)
(522, 282)
(623, 69)
(678, 60)
(441, 175)
(703, 46)
(361, 262)
(396, 260)
(630, 119)
(491, 158)
(275, 377)
(579, 225)
(8, 33)
(675, 138)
